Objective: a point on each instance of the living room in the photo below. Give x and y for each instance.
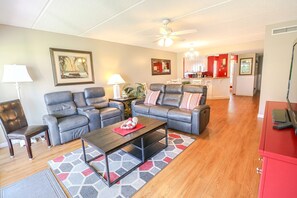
(122, 43)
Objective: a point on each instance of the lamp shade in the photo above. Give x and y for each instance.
(16, 73)
(115, 79)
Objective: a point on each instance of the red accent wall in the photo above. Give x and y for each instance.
(222, 68)
(210, 61)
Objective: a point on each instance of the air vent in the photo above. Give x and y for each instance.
(284, 30)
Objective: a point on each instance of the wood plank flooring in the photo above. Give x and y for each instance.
(220, 163)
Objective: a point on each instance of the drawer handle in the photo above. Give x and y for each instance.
(260, 158)
(259, 170)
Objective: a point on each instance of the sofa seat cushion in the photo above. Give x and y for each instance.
(109, 112)
(142, 108)
(72, 122)
(180, 115)
(160, 110)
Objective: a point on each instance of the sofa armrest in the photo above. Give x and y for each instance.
(119, 106)
(93, 116)
(137, 101)
(200, 118)
(84, 109)
(53, 130)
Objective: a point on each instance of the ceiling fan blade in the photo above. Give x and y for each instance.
(184, 32)
(176, 38)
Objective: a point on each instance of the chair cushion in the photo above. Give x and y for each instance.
(184, 115)
(60, 104)
(62, 109)
(142, 108)
(151, 97)
(109, 112)
(28, 131)
(190, 100)
(96, 96)
(160, 111)
(71, 122)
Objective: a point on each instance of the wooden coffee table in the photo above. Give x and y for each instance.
(141, 144)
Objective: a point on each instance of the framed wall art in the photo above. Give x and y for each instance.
(72, 66)
(160, 66)
(246, 66)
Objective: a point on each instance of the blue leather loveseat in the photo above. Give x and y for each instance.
(70, 115)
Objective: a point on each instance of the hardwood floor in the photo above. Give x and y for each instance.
(220, 163)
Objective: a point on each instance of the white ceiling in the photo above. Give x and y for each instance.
(135, 22)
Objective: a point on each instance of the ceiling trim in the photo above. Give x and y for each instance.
(41, 13)
(112, 17)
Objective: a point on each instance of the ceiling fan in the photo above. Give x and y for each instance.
(167, 35)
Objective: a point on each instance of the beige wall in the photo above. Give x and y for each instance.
(245, 84)
(31, 47)
(276, 64)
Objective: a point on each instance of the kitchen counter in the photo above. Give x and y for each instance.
(217, 88)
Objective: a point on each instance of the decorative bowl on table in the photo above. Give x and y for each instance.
(130, 123)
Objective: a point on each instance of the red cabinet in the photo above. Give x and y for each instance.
(279, 151)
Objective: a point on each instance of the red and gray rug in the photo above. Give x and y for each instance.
(81, 181)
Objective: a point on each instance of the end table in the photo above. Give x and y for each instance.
(127, 104)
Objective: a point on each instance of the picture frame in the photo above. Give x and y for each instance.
(246, 66)
(71, 66)
(160, 66)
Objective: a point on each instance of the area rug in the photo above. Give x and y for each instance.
(81, 181)
(42, 184)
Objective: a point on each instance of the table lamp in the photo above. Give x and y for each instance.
(115, 80)
(16, 74)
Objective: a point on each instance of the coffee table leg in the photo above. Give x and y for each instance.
(107, 170)
(166, 133)
(84, 150)
(142, 150)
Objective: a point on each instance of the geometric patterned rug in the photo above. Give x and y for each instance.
(81, 181)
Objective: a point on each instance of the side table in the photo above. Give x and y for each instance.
(127, 104)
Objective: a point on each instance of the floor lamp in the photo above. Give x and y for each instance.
(115, 80)
(16, 74)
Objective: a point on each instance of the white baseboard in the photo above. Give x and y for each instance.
(260, 116)
(4, 144)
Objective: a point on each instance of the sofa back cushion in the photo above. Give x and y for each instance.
(173, 95)
(60, 104)
(161, 88)
(96, 96)
(202, 89)
(79, 99)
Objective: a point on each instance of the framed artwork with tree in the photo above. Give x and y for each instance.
(72, 66)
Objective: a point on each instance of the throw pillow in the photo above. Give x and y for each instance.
(151, 97)
(190, 100)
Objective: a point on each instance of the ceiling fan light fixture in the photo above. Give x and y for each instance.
(165, 42)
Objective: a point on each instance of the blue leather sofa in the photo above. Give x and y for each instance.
(167, 108)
